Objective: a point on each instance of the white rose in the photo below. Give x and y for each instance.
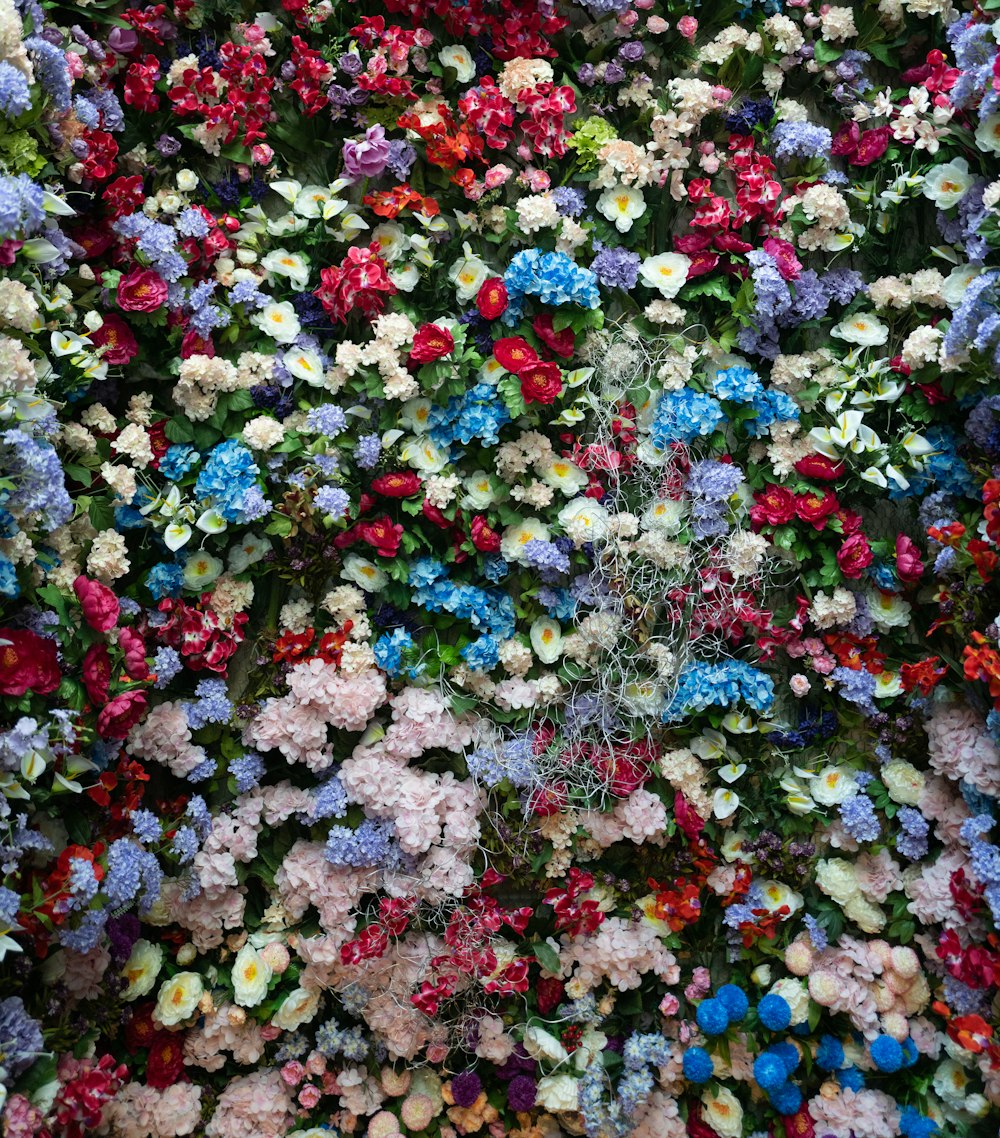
(141, 969)
(988, 134)
(296, 1009)
(903, 781)
(479, 493)
(518, 534)
(540, 1044)
(186, 180)
(363, 573)
(558, 1092)
(460, 60)
(251, 976)
(424, 455)
(546, 639)
(723, 1112)
(584, 520)
(862, 329)
(666, 272)
(833, 785)
(278, 321)
(178, 998)
(947, 184)
(837, 879)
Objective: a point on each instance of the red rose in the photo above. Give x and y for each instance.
(166, 1060)
(514, 353)
(397, 484)
(27, 662)
(815, 508)
(799, 1124)
(382, 535)
(775, 506)
(195, 345)
(819, 466)
(99, 603)
(730, 243)
(115, 337)
(142, 1030)
(541, 382)
(134, 648)
(908, 563)
(789, 266)
(484, 537)
(492, 298)
(850, 522)
(689, 820)
(846, 140)
(702, 263)
(433, 514)
(854, 556)
(873, 144)
(142, 291)
(549, 992)
(97, 673)
(118, 717)
(431, 343)
(561, 343)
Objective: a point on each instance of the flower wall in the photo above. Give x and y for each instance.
(499, 523)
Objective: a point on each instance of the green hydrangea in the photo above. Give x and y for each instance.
(589, 137)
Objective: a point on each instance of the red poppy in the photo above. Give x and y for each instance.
(514, 353)
(484, 537)
(492, 298)
(431, 343)
(141, 290)
(541, 382)
(382, 535)
(27, 662)
(397, 484)
(166, 1060)
(854, 556)
(820, 467)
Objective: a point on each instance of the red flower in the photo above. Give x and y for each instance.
(382, 535)
(561, 343)
(820, 467)
(27, 662)
(360, 282)
(99, 603)
(433, 514)
(784, 257)
(854, 556)
(397, 484)
(115, 337)
(815, 508)
(134, 648)
(541, 382)
(514, 353)
(141, 291)
(908, 563)
(923, 675)
(775, 506)
(484, 537)
(118, 717)
(97, 673)
(166, 1060)
(492, 298)
(431, 343)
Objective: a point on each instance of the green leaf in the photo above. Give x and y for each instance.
(546, 956)
(825, 53)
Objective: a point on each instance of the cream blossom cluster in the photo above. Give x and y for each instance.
(960, 748)
(142, 1111)
(392, 334)
(621, 952)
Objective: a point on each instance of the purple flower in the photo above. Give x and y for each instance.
(333, 500)
(367, 452)
(21, 1040)
(617, 267)
(521, 1093)
(368, 158)
(466, 1088)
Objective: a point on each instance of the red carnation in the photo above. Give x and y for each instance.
(99, 603)
(484, 537)
(27, 662)
(561, 343)
(397, 484)
(821, 467)
(775, 506)
(118, 717)
(514, 353)
(431, 343)
(541, 382)
(141, 291)
(115, 337)
(492, 298)
(97, 673)
(854, 556)
(382, 535)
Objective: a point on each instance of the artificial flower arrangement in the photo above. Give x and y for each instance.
(499, 518)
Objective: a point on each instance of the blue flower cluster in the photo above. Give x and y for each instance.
(684, 415)
(554, 278)
(703, 684)
(478, 413)
(225, 479)
(711, 484)
(373, 843)
(389, 649)
(488, 609)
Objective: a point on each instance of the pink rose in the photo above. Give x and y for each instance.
(100, 605)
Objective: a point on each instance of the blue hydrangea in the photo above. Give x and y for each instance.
(685, 415)
(554, 278)
(483, 654)
(389, 649)
(15, 93)
(477, 413)
(224, 480)
(800, 140)
(737, 384)
(178, 460)
(857, 814)
(165, 579)
(702, 684)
